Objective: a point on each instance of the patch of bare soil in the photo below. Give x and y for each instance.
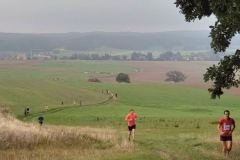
(18, 64)
(155, 72)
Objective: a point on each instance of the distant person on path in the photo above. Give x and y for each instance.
(131, 118)
(46, 108)
(26, 111)
(226, 126)
(40, 120)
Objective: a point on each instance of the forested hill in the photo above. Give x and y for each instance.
(177, 40)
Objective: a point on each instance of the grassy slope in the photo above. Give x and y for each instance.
(157, 101)
(47, 83)
(174, 122)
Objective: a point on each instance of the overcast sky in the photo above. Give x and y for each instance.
(42, 16)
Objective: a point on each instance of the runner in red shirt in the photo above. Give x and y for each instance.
(131, 119)
(225, 127)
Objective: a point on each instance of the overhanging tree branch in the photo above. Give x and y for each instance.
(227, 12)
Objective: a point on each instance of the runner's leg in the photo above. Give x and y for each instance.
(133, 134)
(129, 135)
(229, 146)
(224, 144)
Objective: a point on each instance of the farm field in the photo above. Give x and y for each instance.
(155, 72)
(175, 121)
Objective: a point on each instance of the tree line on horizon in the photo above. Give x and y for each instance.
(175, 40)
(141, 56)
(134, 56)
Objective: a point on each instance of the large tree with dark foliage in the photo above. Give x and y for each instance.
(123, 77)
(175, 76)
(227, 25)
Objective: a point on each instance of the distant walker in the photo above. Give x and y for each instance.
(40, 120)
(26, 111)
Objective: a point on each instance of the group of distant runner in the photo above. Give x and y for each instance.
(40, 118)
(226, 127)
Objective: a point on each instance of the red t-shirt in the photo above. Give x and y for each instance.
(131, 119)
(225, 125)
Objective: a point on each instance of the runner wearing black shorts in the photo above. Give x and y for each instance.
(131, 120)
(130, 128)
(225, 127)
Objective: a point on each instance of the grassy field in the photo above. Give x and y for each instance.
(174, 122)
(36, 84)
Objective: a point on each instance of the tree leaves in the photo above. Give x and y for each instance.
(224, 75)
(193, 9)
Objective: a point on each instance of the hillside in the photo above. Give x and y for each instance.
(177, 40)
(174, 122)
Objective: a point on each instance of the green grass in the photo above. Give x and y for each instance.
(174, 122)
(164, 129)
(49, 83)
(154, 112)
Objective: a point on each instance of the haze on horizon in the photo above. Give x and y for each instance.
(58, 16)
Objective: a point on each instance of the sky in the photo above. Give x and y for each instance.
(60, 16)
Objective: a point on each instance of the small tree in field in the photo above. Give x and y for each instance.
(94, 80)
(123, 77)
(175, 76)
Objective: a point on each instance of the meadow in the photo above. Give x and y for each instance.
(175, 122)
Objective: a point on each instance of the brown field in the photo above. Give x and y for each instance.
(149, 72)
(155, 72)
(18, 63)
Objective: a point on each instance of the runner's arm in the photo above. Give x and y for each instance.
(126, 118)
(219, 129)
(233, 127)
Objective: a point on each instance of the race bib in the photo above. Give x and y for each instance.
(226, 127)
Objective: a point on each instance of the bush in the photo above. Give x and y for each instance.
(175, 76)
(93, 80)
(123, 77)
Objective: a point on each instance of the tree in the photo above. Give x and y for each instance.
(166, 56)
(170, 56)
(175, 76)
(94, 80)
(123, 77)
(149, 56)
(227, 25)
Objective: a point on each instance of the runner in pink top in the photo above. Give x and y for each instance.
(225, 127)
(131, 119)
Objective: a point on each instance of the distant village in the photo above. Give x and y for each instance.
(134, 56)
